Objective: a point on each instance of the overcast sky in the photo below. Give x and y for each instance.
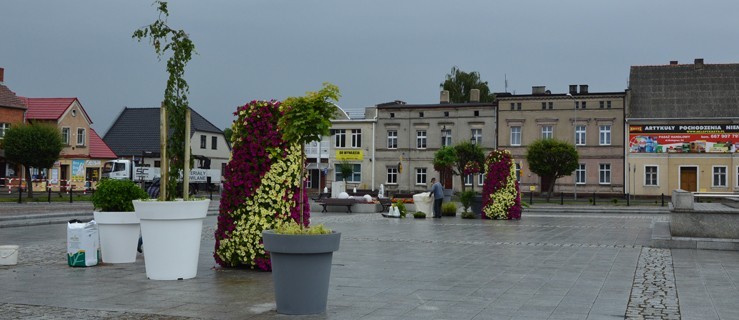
(375, 51)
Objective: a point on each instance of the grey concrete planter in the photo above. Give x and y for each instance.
(301, 269)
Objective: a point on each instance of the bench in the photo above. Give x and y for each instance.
(322, 196)
(385, 203)
(337, 202)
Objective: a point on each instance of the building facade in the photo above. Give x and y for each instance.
(408, 135)
(12, 112)
(683, 128)
(592, 121)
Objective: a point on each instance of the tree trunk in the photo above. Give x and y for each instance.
(551, 189)
(29, 184)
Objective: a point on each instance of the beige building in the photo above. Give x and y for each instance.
(408, 135)
(350, 142)
(683, 124)
(592, 121)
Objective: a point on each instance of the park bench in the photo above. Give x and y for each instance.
(385, 203)
(321, 196)
(337, 202)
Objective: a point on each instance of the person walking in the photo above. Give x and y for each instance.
(438, 193)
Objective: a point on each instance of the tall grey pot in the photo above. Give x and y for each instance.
(301, 269)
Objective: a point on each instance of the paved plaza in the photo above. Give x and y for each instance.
(558, 263)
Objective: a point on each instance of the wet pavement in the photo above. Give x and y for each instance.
(555, 263)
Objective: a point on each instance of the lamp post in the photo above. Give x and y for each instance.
(574, 123)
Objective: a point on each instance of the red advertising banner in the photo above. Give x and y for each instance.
(683, 138)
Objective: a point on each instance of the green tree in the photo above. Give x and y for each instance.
(346, 169)
(459, 83)
(228, 132)
(444, 160)
(552, 159)
(36, 145)
(164, 39)
(467, 152)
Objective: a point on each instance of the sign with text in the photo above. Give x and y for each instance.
(713, 138)
(349, 155)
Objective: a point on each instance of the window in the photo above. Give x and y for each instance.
(602, 104)
(392, 139)
(580, 174)
(420, 114)
(480, 179)
(650, 176)
(477, 113)
(356, 176)
(605, 135)
(392, 175)
(515, 136)
(608, 104)
(158, 164)
(468, 180)
(202, 141)
(446, 113)
(580, 135)
(214, 143)
(583, 104)
(3, 127)
(81, 136)
(547, 132)
(356, 138)
(518, 172)
(421, 139)
(446, 137)
(577, 104)
(392, 114)
(513, 106)
(66, 133)
(543, 106)
(719, 176)
(604, 173)
(476, 136)
(551, 105)
(340, 138)
(420, 175)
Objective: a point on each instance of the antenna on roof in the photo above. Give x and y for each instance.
(505, 76)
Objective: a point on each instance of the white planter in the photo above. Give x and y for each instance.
(119, 236)
(171, 231)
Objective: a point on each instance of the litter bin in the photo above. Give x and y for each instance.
(424, 203)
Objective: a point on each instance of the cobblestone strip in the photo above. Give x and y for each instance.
(23, 311)
(653, 293)
(498, 243)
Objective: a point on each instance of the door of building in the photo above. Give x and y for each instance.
(689, 179)
(64, 177)
(447, 183)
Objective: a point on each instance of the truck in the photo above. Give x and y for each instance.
(200, 179)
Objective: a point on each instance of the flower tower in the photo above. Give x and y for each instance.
(262, 186)
(500, 196)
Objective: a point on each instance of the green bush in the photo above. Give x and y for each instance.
(449, 209)
(419, 214)
(293, 228)
(468, 215)
(466, 199)
(116, 195)
(401, 208)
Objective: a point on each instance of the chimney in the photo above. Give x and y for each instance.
(538, 89)
(699, 63)
(673, 62)
(573, 89)
(444, 98)
(2, 75)
(583, 88)
(474, 95)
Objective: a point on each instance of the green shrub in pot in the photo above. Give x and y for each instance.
(114, 195)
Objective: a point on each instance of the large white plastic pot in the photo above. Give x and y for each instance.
(119, 236)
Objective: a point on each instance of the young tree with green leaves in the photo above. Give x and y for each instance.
(552, 159)
(165, 39)
(467, 153)
(35, 145)
(459, 83)
(444, 160)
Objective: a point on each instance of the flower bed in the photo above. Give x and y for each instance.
(500, 196)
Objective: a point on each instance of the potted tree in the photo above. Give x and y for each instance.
(470, 158)
(300, 256)
(171, 227)
(118, 224)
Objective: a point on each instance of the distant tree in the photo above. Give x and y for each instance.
(36, 145)
(459, 83)
(444, 160)
(467, 153)
(228, 132)
(552, 159)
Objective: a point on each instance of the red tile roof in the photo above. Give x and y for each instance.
(49, 108)
(9, 99)
(98, 148)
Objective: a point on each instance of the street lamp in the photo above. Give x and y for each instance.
(574, 123)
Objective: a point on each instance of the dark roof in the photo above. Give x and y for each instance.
(402, 105)
(137, 130)
(9, 99)
(684, 91)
